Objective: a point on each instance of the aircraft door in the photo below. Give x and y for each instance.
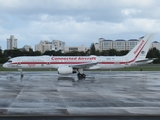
(101, 62)
(48, 61)
(126, 61)
(18, 61)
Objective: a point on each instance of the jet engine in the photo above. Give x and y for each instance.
(66, 70)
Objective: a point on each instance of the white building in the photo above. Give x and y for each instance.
(101, 40)
(11, 43)
(96, 45)
(81, 48)
(48, 46)
(131, 43)
(156, 45)
(105, 44)
(116, 44)
(58, 45)
(43, 46)
(27, 47)
(119, 45)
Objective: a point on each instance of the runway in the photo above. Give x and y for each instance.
(103, 93)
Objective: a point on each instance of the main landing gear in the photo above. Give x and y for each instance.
(80, 74)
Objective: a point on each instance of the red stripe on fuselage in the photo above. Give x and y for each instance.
(49, 62)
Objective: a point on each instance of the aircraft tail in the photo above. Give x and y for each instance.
(139, 52)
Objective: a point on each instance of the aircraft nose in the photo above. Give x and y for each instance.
(5, 65)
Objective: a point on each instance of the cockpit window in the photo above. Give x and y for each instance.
(9, 61)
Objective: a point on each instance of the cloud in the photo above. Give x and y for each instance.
(76, 21)
(136, 3)
(130, 12)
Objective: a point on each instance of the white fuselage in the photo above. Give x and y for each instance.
(57, 61)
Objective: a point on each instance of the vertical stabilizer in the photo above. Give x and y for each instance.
(141, 49)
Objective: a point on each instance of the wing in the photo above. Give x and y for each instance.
(84, 65)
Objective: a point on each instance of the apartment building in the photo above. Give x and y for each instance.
(43, 46)
(48, 46)
(131, 43)
(11, 43)
(105, 44)
(58, 45)
(118, 44)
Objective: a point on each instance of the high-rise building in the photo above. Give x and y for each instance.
(11, 43)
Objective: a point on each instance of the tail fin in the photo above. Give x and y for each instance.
(139, 52)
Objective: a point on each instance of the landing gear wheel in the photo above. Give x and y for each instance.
(22, 75)
(81, 76)
(21, 72)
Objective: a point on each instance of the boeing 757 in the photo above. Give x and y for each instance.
(77, 64)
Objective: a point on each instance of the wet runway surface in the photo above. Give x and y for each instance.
(101, 93)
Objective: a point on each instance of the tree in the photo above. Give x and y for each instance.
(87, 53)
(92, 49)
(113, 52)
(54, 53)
(49, 52)
(36, 53)
(123, 52)
(1, 54)
(154, 53)
(97, 52)
(105, 53)
(13, 53)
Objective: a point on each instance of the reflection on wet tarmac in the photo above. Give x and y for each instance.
(100, 93)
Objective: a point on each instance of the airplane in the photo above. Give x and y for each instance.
(77, 64)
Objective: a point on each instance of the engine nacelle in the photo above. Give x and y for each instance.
(65, 70)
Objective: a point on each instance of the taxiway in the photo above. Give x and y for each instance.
(101, 93)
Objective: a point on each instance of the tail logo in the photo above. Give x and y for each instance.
(135, 52)
(143, 52)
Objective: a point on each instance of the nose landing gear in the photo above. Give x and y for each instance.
(21, 72)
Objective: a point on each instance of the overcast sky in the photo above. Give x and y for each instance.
(77, 21)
